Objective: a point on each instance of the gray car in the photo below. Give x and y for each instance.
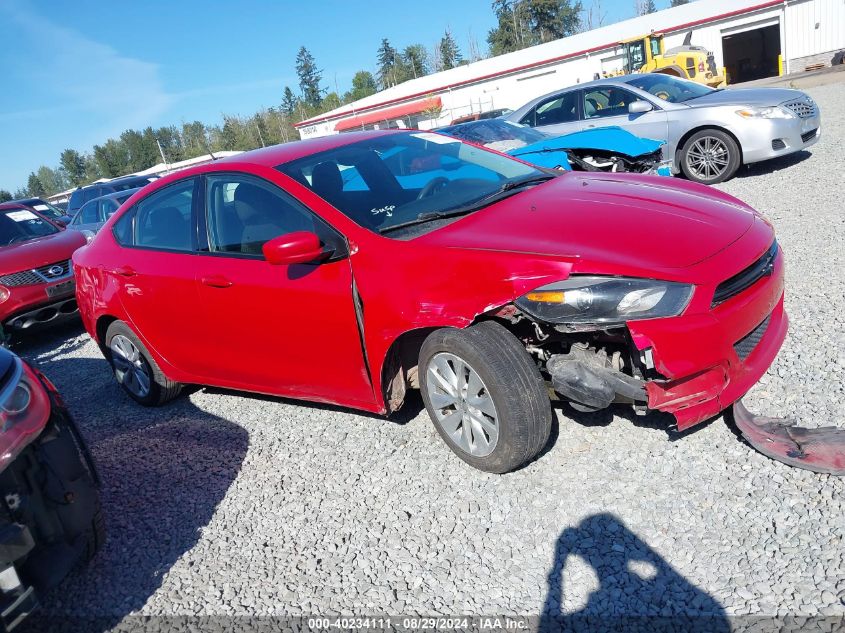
(93, 214)
(709, 133)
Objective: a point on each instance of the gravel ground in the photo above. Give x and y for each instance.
(225, 503)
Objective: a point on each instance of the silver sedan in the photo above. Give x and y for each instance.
(709, 133)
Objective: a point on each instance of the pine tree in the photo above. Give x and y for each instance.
(309, 78)
(386, 59)
(288, 102)
(450, 54)
(677, 3)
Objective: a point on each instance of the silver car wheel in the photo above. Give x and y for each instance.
(130, 369)
(708, 158)
(462, 404)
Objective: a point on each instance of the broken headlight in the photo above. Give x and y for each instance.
(605, 300)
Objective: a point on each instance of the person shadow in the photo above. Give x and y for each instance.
(163, 473)
(637, 589)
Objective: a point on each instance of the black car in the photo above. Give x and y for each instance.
(50, 517)
(94, 213)
(51, 211)
(84, 194)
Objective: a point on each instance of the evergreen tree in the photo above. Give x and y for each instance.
(34, 188)
(677, 3)
(386, 60)
(644, 7)
(523, 23)
(450, 54)
(415, 60)
(309, 78)
(288, 102)
(5, 196)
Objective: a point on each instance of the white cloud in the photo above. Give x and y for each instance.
(84, 77)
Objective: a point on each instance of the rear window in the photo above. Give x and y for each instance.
(21, 225)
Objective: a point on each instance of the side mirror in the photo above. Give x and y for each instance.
(298, 247)
(639, 107)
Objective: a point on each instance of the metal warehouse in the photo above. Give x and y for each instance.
(749, 39)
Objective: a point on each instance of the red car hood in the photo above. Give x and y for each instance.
(644, 222)
(40, 251)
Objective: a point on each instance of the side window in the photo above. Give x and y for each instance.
(87, 214)
(90, 193)
(605, 102)
(243, 213)
(105, 209)
(163, 219)
(561, 109)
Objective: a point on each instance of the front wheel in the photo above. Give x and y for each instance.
(709, 157)
(485, 396)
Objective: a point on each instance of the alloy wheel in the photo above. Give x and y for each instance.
(130, 368)
(462, 404)
(708, 158)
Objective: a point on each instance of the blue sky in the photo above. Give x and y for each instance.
(75, 73)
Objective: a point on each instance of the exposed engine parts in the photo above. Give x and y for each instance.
(595, 160)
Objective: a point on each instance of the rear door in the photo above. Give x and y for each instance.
(604, 106)
(155, 273)
(283, 329)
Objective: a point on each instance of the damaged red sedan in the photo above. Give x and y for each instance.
(349, 269)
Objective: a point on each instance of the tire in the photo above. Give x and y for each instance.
(160, 389)
(705, 166)
(508, 378)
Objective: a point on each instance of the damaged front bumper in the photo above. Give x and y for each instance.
(820, 450)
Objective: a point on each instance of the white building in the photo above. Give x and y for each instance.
(750, 39)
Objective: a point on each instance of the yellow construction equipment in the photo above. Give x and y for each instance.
(646, 55)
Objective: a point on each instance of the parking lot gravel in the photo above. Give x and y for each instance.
(225, 503)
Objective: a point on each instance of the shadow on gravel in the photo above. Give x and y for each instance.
(773, 165)
(638, 590)
(164, 472)
(656, 420)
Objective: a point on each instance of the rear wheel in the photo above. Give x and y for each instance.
(709, 157)
(134, 368)
(485, 396)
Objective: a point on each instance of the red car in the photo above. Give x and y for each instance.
(36, 278)
(349, 269)
(50, 519)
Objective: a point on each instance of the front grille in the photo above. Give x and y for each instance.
(803, 108)
(744, 346)
(746, 278)
(808, 135)
(43, 275)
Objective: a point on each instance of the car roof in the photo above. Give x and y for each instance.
(27, 201)
(114, 194)
(286, 152)
(5, 206)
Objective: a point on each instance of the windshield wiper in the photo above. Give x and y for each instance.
(502, 192)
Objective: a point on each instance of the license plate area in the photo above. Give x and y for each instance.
(63, 288)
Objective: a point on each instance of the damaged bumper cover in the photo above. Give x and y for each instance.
(820, 450)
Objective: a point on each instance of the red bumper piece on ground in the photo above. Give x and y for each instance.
(820, 450)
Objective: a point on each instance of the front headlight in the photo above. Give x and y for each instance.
(24, 410)
(605, 300)
(773, 112)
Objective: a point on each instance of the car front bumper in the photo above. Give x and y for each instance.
(708, 361)
(32, 306)
(769, 138)
(47, 522)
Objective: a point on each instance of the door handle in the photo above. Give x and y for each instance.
(125, 271)
(216, 281)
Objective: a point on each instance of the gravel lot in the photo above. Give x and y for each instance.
(224, 503)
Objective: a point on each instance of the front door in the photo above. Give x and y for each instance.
(283, 329)
(604, 106)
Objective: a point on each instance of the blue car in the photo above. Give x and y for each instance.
(602, 149)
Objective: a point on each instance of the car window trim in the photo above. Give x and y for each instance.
(203, 224)
(579, 110)
(134, 211)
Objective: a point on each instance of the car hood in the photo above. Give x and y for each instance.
(608, 139)
(608, 220)
(747, 97)
(40, 251)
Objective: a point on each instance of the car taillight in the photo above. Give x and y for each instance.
(24, 410)
(4, 294)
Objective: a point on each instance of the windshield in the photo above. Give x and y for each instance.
(20, 225)
(45, 208)
(495, 134)
(397, 179)
(668, 88)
